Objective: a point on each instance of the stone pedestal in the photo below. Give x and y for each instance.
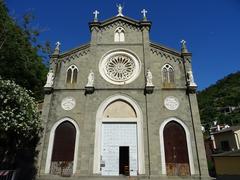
(89, 90)
(148, 89)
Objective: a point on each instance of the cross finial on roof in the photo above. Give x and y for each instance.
(57, 48)
(58, 44)
(184, 47)
(96, 12)
(144, 12)
(183, 41)
(120, 8)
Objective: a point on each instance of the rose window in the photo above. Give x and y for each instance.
(120, 68)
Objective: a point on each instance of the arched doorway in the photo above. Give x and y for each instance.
(182, 130)
(176, 152)
(118, 138)
(63, 149)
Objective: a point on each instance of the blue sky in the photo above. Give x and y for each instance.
(210, 27)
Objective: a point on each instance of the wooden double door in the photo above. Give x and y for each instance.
(63, 149)
(176, 151)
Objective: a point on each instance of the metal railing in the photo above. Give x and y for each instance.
(7, 174)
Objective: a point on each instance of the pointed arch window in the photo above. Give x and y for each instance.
(119, 35)
(168, 74)
(72, 73)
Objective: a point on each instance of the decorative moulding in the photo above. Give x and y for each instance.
(68, 103)
(171, 103)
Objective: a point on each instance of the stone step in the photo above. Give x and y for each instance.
(55, 177)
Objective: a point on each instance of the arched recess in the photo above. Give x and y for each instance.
(100, 119)
(188, 139)
(51, 143)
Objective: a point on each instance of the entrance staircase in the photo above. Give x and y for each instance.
(52, 177)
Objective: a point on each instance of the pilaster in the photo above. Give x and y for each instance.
(198, 135)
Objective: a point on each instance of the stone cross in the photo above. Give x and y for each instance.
(184, 47)
(183, 42)
(144, 12)
(58, 45)
(96, 12)
(120, 8)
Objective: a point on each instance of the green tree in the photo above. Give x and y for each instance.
(19, 49)
(20, 127)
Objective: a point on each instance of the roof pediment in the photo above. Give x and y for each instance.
(122, 19)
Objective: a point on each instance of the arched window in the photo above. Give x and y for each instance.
(72, 73)
(119, 35)
(167, 74)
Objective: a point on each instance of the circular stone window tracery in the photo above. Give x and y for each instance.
(119, 67)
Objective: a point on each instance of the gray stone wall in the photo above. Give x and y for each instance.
(154, 112)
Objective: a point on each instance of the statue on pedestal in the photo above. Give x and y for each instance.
(90, 79)
(50, 78)
(120, 8)
(190, 79)
(149, 78)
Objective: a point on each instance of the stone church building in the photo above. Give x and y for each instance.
(121, 106)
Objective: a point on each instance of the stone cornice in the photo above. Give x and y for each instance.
(168, 53)
(165, 49)
(121, 20)
(75, 53)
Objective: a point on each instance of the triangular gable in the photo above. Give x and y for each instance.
(121, 19)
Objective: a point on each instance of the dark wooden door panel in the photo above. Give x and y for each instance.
(176, 152)
(63, 149)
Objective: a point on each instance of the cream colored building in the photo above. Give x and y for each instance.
(227, 139)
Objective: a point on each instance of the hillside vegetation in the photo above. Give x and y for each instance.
(221, 102)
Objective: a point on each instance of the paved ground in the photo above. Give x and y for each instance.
(228, 178)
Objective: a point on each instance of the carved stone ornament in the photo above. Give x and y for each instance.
(171, 103)
(119, 67)
(68, 103)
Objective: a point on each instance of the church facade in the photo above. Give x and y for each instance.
(121, 106)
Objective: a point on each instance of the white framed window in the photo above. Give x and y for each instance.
(72, 73)
(119, 66)
(119, 35)
(167, 74)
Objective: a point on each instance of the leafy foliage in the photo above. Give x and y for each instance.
(19, 59)
(225, 93)
(20, 127)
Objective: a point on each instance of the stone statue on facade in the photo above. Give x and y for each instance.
(90, 82)
(120, 8)
(190, 79)
(50, 78)
(149, 78)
